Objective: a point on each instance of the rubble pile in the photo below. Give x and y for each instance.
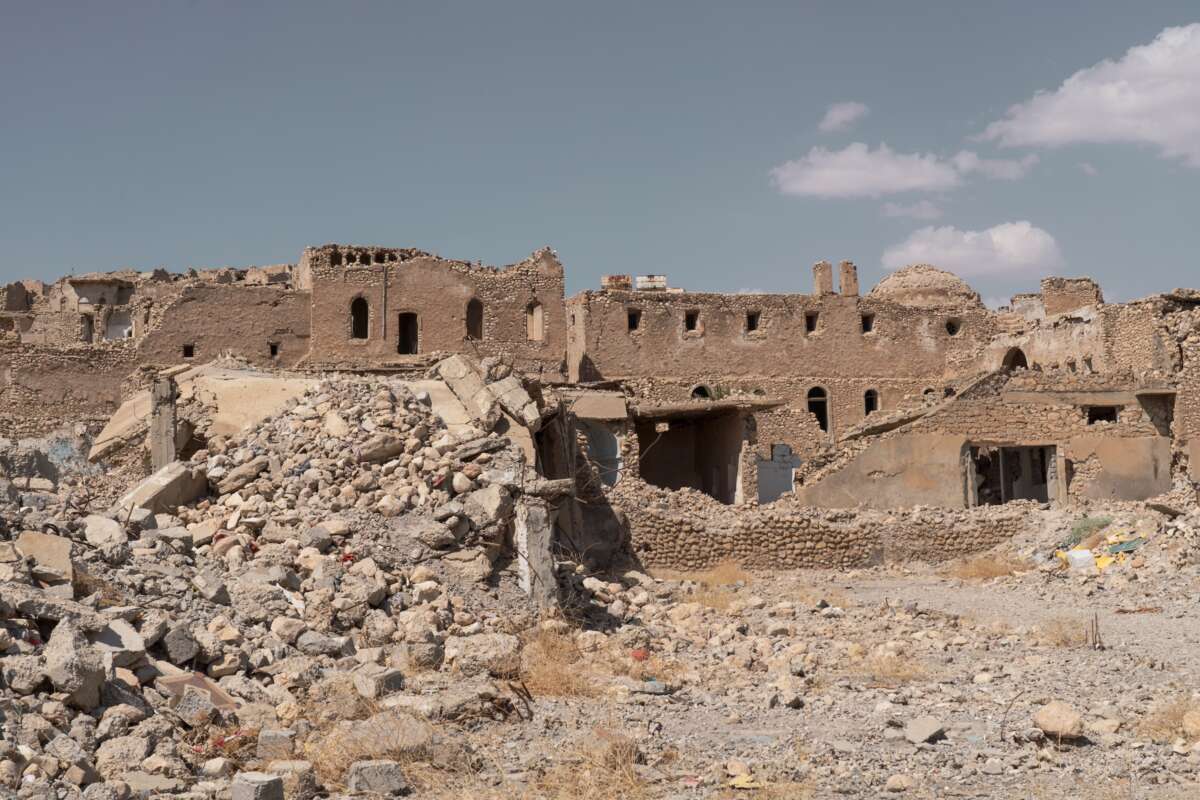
(344, 546)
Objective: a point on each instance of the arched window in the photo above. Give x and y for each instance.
(1015, 359)
(359, 318)
(475, 319)
(701, 392)
(818, 406)
(535, 322)
(870, 401)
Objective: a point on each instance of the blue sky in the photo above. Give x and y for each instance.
(676, 137)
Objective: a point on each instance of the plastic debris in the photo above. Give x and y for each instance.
(1081, 560)
(744, 782)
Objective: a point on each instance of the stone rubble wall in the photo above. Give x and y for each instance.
(687, 530)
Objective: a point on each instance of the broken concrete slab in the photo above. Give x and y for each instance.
(172, 486)
(103, 531)
(48, 551)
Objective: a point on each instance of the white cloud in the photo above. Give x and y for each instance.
(842, 116)
(1151, 95)
(1088, 168)
(922, 209)
(1001, 169)
(1011, 247)
(858, 171)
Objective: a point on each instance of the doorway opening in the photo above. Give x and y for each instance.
(409, 343)
(1003, 474)
(475, 320)
(700, 452)
(776, 475)
(818, 406)
(1015, 359)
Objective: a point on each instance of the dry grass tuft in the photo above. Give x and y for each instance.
(551, 664)
(1064, 632)
(85, 584)
(604, 769)
(986, 567)
(1174, 718)
(892, 669)
(383, 736)
(718, 585)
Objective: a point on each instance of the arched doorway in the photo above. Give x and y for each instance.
(818, 406)
(1015, 359)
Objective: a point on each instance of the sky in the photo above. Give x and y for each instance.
(727, 145)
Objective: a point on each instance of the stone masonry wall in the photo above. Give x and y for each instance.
(239, 320)
(688, 530)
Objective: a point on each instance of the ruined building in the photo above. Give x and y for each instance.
(910, 394)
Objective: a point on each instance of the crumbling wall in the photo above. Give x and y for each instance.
(906, 350)
(1066, 295)
(240, 320)
(523, 313)
(41, 387)
(904, 470)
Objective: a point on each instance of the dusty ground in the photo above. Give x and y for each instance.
(980, 655)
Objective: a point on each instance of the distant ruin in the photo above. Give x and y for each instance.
(913, 394)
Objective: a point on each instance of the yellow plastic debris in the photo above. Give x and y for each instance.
(1104, 562)
(744, 782)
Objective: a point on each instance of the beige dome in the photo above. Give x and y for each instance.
(926, 286)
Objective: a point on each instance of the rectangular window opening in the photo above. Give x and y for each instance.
(633, 319)
(1102, 414)
(868, 323)
(810, 322)
(274, 348)
(752, 320)
(189, 351)
(691, 320)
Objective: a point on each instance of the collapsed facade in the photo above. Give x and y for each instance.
(912, 394)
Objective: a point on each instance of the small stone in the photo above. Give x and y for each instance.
(1059, 721)
(257, 786)
(923, 729)
(899, 783)
(380, 777)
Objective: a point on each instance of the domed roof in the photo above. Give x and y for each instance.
(926, 286)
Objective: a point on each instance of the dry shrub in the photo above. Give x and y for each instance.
(333, 700)
(211, 741)
(771, 790)
(891, 669)
(717, 584)
(392, 736)
(84, 584)
(603, 769)
(1169, 720)
(986, 567)
(551, 664)
(1064, 632)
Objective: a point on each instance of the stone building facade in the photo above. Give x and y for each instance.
(912, 392)
(373, 306)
